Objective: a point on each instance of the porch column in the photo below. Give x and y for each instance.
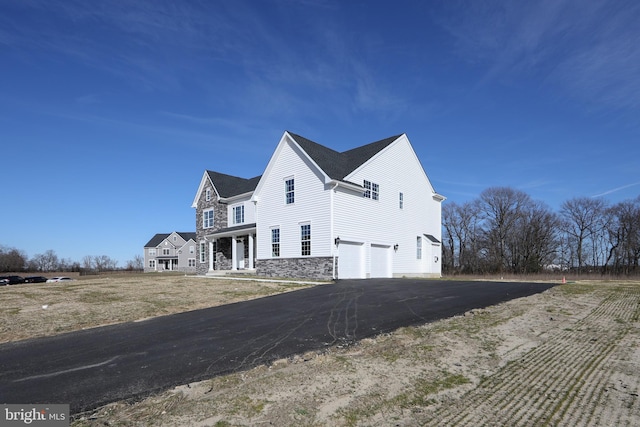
(234, 253)
(211, 256)
(250, 251)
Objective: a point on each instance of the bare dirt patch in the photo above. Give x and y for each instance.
(568, 356)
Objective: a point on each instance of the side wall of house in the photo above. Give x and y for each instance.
(384, 222)
(310, 206)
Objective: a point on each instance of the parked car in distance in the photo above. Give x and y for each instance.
(3, 281)
(59, 279)
(13, 280)
(35, 279)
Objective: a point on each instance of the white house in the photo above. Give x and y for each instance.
(315, 212)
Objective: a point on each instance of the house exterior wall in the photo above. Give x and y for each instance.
(311, 206)
(175, 246)
(249, 212)
(220, 220)
(185, 254)
(396, 170)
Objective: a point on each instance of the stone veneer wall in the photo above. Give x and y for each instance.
(219, 222)
(320, 268)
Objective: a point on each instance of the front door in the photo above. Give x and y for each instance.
(240, 254)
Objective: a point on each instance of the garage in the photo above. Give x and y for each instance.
(351, 260)
(380, 261)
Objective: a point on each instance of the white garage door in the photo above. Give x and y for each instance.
(350, 260)
(380, 261)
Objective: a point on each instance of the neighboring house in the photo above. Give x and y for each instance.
(171, 252)
(318, 213)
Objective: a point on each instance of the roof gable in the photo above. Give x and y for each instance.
(161, 237)
(338, 165)
(229, 186)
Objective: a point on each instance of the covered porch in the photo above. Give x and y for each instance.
(232, 249)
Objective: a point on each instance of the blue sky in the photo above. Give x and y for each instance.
(110, 111)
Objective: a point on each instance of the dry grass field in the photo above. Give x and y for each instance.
(566, 357)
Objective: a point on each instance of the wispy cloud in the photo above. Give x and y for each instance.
(590, 50)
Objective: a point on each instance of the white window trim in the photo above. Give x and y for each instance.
(234, 214)
(204, 218)
(371, 190)
(203, 252)
(286, 190)
(302, 224)
(279, 242)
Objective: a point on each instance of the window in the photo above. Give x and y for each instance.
(305, 239)
(208, 194)
(152, 252)
(238, 214)
(207, 218)
(175, 238)
(191, 262)
(371, 190)
(191, 249)
(275, 242)
(152, 263)
(166, 251)
(289, 188)
(401, 200)
(419, 248)
(203, 251)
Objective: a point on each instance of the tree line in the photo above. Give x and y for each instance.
(15, 260)
(506, 231)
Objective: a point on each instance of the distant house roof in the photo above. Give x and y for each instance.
(338, 165)
(159, 238)
(229, 186)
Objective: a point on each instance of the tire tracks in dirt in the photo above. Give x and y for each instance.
(575, 377)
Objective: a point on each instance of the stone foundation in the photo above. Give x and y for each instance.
(302, 268)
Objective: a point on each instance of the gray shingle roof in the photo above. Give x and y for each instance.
(228, 186)
(159, 238)
(338, 165)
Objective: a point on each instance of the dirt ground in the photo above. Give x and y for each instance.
(566, 357)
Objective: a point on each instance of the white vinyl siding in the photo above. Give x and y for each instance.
(397, 170)
(312, 202)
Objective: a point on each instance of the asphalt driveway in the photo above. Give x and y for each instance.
(90, 368)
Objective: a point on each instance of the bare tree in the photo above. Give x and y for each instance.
(460, 224)
(501, 209)
(137, 263)
(12, 259)
(623, 231)
(87, 262)
(582, 221)
(104, 263)
(47, 261)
